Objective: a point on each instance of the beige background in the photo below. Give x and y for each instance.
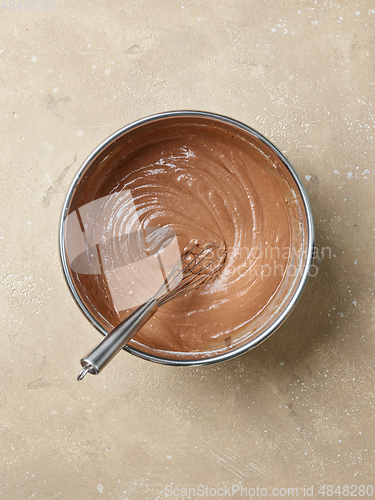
(295, 412)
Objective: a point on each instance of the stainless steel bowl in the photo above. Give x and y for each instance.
(110, 145)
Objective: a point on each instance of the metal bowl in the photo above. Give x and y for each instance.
(111, 145)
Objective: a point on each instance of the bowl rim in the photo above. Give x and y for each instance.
(310, 235)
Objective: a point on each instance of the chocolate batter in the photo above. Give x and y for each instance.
(208, 182)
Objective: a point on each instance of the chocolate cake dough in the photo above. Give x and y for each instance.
(208, 184)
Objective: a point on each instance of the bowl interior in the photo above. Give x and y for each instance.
(204, 177)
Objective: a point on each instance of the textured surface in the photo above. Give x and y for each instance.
(298, 410)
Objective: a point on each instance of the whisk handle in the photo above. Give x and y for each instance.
(115, 340)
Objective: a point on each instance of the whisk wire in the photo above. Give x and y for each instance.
(187, 279)
(180, 275)
(181, 290)
(168, 279)
(186, 269)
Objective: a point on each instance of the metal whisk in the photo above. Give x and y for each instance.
(189, 273)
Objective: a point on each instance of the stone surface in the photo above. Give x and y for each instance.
(295, 412)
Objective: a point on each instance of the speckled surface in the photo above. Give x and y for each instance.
(296, 411)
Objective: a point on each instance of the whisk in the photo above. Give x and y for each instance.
(190, 272)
